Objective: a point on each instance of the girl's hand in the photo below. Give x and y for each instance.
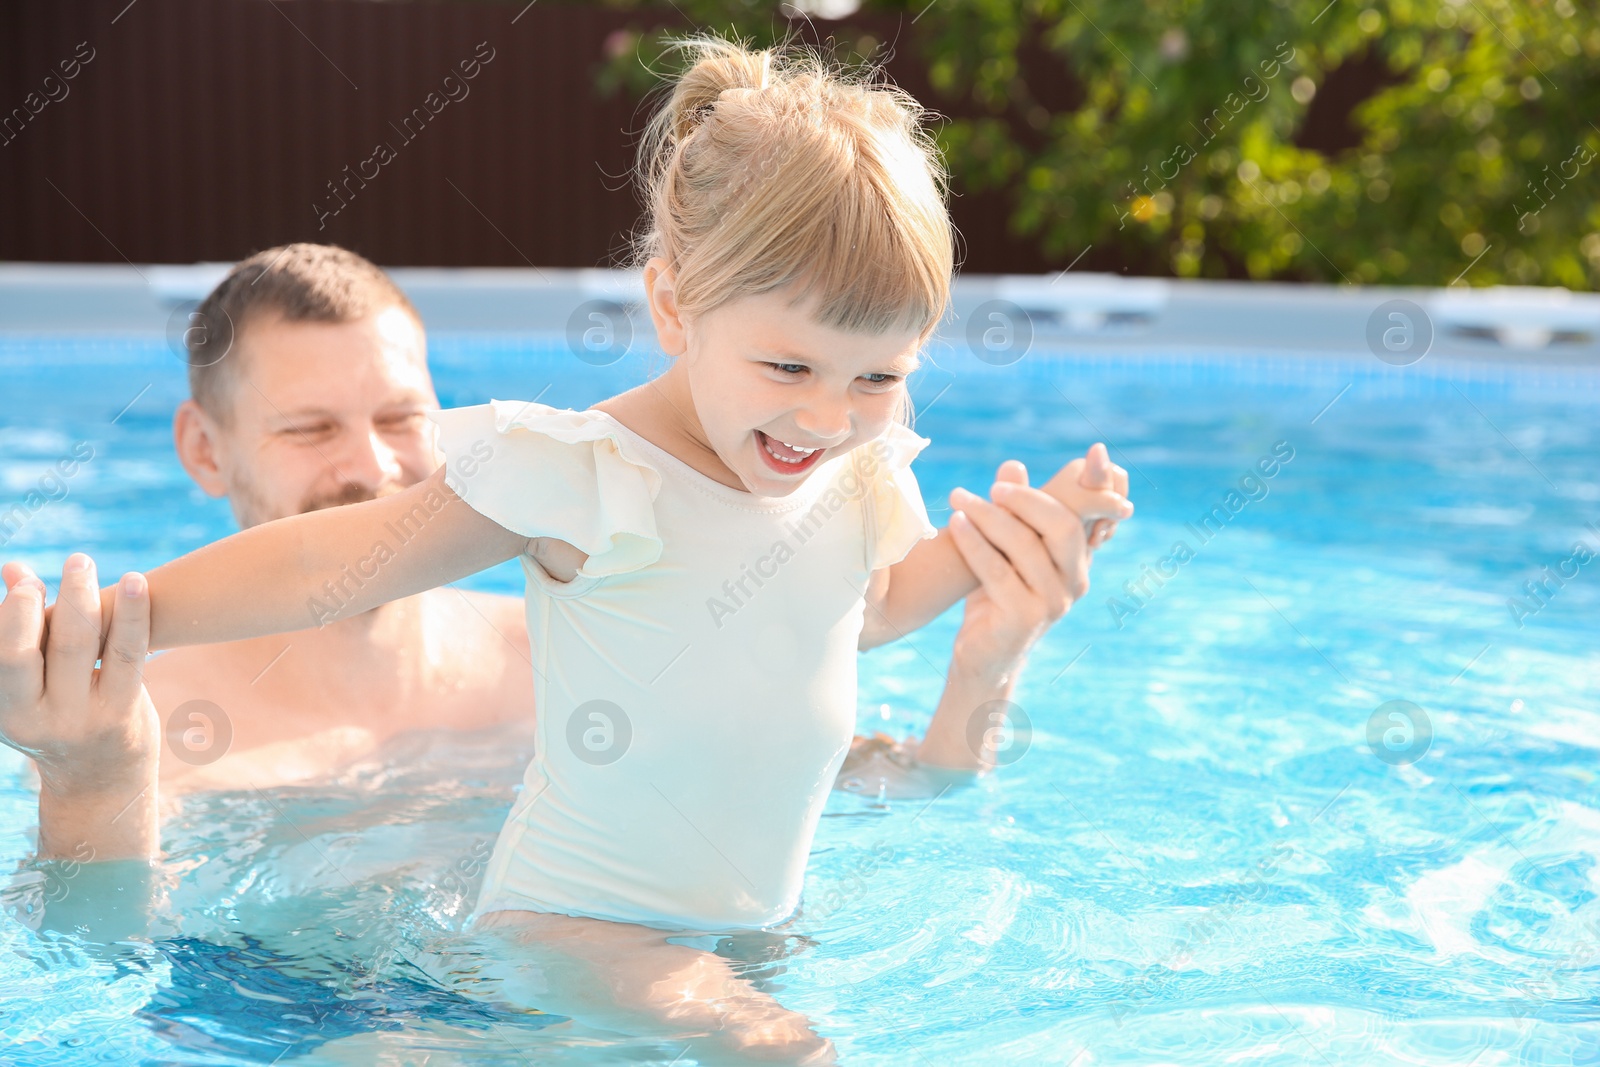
(1097, 490)
(92, 732)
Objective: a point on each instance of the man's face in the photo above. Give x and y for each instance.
(326, 414)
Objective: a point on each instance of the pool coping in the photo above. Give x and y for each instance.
(1074, 312)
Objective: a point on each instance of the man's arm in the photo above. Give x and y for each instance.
(312, 569)
(94, 736)
(92, 732)
(1028, 584)
(1025, 590)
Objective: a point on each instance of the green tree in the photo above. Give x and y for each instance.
(1184, 148)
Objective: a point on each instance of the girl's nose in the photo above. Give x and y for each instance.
(831, 423)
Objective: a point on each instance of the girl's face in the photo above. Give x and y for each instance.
(762, 376)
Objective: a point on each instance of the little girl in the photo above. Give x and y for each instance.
(705, 553)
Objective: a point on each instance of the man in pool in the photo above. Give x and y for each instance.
(315, 400)
(309, 382)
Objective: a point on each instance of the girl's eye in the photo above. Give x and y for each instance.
(874, 378)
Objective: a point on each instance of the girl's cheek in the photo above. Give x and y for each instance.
(883, 408)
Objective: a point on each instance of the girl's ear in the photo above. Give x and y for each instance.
(195, 435)
(661, 291)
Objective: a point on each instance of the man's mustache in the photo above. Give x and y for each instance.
(350, 493)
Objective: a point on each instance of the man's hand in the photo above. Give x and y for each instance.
(1030, 552)
(92, 732)
(1031, 556)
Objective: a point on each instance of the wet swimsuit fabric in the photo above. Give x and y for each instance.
(695, 682)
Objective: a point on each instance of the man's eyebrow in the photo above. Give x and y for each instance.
(291, 414)
(296, 414)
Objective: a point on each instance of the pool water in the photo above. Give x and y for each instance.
(1220, 842)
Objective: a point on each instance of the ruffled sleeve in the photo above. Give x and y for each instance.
(552, 472)
(896, 518)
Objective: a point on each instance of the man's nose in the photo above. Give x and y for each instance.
(368, 460)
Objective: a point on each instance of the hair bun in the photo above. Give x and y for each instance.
(720, 67)
(807, 174)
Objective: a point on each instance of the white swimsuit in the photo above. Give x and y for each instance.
(695, 683)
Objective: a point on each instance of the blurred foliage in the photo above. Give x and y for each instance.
(1175, 131)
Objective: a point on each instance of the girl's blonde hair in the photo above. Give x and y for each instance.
(766, 168)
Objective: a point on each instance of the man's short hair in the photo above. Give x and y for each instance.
(298, 283)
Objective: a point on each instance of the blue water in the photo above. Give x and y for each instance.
(1197, 856)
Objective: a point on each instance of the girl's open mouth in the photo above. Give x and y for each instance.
(785, 460)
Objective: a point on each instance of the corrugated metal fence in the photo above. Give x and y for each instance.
(416, 133)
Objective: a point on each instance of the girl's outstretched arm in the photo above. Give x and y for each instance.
(936, 574)
(309, 570)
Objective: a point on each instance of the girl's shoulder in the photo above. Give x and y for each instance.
(527, 430)
(551, 472)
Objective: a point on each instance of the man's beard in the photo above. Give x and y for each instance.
(349, 493)
(251, 510)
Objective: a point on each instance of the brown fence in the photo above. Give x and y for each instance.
(183, 130)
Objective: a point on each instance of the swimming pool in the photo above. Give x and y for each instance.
(1215, 846)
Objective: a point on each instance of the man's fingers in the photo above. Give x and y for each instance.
(1032, 529)
(1087, 504)
(73, 643)
(1069, 553)
(21, 627)
(1046, 519)
(1012, 472)
(127, 642)
(995, 573)
(14, 572)
(1073, 559)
